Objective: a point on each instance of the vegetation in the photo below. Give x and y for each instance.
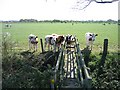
(26, 69)
(108, 78)
(63, 21)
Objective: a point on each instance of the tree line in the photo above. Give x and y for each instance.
(65, 21)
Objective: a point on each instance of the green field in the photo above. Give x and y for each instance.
(20, 32)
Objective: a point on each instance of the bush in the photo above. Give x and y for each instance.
(109, 78)
(22, 72)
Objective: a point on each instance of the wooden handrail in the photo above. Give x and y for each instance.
(82, 63)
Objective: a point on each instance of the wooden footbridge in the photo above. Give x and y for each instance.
(70, 70)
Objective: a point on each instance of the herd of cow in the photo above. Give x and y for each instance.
(55, 41)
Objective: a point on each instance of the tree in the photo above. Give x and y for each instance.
(82, 4)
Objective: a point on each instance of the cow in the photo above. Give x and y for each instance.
(70, 42)
(90, 38)
(54, 41)
(49, 41)
(70, 39)
(33, 41)
(60, 40)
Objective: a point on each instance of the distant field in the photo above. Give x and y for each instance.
(20, 32)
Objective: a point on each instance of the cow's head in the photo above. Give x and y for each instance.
(52, 40)
(60, 39)
(92, 36)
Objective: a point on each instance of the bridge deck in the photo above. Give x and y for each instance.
(70, 67)
(72, 72)
(70, 83)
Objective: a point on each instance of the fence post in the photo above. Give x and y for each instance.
(41, 45)
(104, 52)
(101, 64)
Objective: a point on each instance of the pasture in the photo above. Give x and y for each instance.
(20, 32)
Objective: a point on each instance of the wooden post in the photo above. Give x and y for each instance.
(105, 48)
(101, 64)
(41, 45)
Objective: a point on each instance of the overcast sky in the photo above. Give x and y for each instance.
(56, 9)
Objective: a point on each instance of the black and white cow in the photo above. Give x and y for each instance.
(70, 39)
(33, 41)
(90, 38)
(49, 41)
(53, 41)
(70, 42)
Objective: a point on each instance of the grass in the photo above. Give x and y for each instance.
(20, 32)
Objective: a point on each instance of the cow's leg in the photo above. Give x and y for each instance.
(54, 50)
(45, 44)
(30, 45)
(35, 46)
(51, 46)
(87, 44)
(48, 47)
(91, 45)
(61, 46)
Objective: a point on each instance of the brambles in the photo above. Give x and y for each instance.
(109, 76)
(25, 70)
(21, 72)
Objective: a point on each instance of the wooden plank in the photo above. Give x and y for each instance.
(57, 65)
